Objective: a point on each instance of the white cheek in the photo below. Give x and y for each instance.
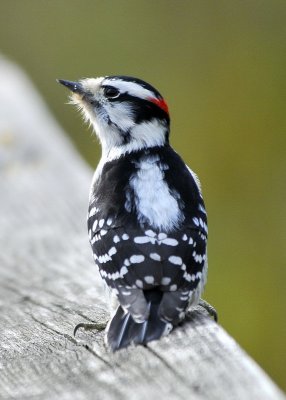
(146, 134)
(110, 122)
(108, 135)
(151, 133)
(98, 119)
(120, 114)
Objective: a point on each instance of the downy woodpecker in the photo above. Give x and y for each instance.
(147, 222)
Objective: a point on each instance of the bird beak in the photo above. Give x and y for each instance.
(75, 87)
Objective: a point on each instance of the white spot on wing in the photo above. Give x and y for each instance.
(202, 209)
(150, 233)
(112, 251)
(196, 221)
(104, 258)
(116, 239)
(137, 259)
(123, 271)
(141, 239)
(175, 260)
(155, 256)
(94, 225)
(170, 242)
(165, 281)
(93, 211)
(139, 283)
(149, 279)
(199, 258)
(152, 237)
(192, 277)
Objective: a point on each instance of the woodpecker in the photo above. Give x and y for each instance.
(147, 221)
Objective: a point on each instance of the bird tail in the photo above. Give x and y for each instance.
(123, 330)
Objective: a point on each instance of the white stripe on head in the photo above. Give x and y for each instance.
(132, 88)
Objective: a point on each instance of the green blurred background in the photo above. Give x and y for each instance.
(221, 66)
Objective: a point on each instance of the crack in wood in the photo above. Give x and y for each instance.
(24, 297)
(73, 341)
(168, 366)
(101, 325)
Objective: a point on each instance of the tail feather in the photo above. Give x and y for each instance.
(123, 330)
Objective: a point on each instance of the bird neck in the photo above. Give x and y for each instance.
(147, 134)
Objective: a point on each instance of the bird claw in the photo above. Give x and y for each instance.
(99, 326)
(209, 308)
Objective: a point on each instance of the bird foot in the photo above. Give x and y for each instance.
(99, 326)
(210, 309)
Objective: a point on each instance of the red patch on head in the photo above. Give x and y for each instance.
(160, 103)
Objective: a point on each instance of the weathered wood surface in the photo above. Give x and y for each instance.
(48, 284)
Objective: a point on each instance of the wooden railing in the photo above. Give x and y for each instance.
(49, 283)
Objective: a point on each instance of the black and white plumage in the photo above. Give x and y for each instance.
(147, 221)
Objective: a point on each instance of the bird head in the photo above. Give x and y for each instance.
(126, 113)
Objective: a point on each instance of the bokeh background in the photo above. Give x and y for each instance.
(221, 66)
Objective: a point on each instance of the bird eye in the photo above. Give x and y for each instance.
(111, 92)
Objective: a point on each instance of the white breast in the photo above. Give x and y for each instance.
(155, 203)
